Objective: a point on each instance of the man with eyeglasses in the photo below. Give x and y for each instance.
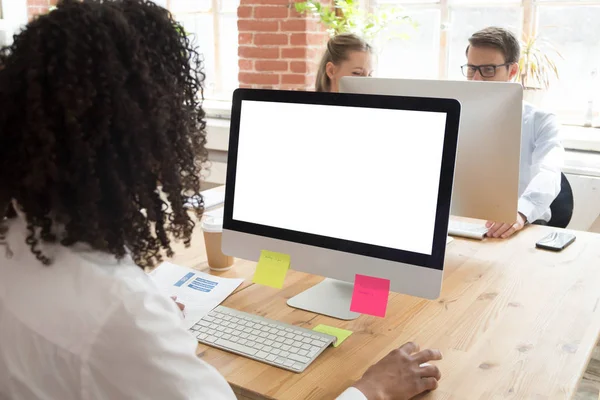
(493, 55)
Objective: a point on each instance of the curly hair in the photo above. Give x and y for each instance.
(102, 133)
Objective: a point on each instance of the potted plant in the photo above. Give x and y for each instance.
(537, 67)
(346, 16)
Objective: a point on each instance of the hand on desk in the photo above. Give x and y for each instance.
(500, 230)
(400, 375)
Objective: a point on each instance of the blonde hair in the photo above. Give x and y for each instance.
(338, 49)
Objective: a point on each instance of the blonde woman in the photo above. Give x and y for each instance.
(346, 55)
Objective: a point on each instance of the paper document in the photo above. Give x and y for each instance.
(199, 292)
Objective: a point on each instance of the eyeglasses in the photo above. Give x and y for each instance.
(486, 71)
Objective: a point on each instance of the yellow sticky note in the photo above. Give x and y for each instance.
(271, 269)
(340, 334)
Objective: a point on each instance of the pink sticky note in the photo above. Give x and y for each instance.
(370, 295)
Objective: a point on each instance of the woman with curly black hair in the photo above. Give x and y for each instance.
(101, 143)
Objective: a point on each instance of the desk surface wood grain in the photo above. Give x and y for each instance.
(512, 322)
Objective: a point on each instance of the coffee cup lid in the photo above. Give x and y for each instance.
(212, 224)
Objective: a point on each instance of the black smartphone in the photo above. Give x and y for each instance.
(556, 241)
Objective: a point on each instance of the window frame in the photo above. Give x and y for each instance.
(215, 11)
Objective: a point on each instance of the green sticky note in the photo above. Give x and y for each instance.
(271, 269)
(340, 334)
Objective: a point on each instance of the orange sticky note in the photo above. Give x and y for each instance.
(370, 295)
(271, 269)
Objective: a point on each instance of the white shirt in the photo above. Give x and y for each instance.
(542, 157)
(90, 327)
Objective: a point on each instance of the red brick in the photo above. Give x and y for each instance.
(246, 65)
(266, 39)
(255, 52)
(299, 67)
(293, 79)
(244, 12)
(38, 3)
(244, 38)
(270, 12)
(271, 66)
(251, 25)
(303, 39)
(258, 79)
(293, 25)
(294, 52)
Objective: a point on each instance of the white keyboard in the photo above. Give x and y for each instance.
(467, 229)
(268, 341)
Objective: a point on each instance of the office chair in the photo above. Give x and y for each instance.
(562, 206)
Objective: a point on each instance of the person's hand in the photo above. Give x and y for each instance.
(400, 375)
(180, 305)
(500, 230)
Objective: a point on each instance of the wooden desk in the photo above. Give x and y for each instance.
(512, 322)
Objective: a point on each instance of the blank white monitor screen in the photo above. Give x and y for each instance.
(368, 175)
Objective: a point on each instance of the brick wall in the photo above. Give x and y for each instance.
(278, 48)
(36, 7)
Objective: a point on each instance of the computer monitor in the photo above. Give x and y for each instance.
(486, 183)
(296, 164)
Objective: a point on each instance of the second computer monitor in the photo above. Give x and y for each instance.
(486, 181)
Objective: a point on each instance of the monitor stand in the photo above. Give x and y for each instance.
(330, 297)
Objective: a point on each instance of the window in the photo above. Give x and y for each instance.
(212, 24)
(436, 50)
(13, 15)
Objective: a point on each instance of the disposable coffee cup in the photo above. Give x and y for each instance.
(213, 233)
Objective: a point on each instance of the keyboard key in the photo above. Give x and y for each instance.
(211, 339)
(252, 337)
(294, 350)
(235, 320)
(218, 334)
(285, 347)
(260, 340)
(289, 335)
(298, 338)
(277, 345)
(258, 346)
(262, 354)
(275, 351)
(264, 328)
(303, 352)
(267, 349)
(307, 340)
(301, 359)
(251, 344)
(242, 341)
(235, 339)
(269, 342)
(284, 354)
(306, 346)
(236, 347)
(281, 339)
(288, 363)
(244, 335)
(272, 337)
(298, 366)
(271, 357)
(318, 343)
(256, 332)
(227, 336)
(280, 360)
(229, 330)
(205, 323)
(202, 336)
(236, 333)
(248, 330)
